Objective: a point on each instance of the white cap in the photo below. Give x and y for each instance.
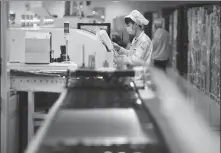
(137, 17)
(158, 22)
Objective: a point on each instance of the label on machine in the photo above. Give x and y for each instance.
(66, 29)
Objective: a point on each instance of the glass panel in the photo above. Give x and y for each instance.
(204, 49)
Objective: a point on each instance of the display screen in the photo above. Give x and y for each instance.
(66, 27)
(94, 27)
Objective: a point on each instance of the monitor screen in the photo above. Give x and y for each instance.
(94, 27)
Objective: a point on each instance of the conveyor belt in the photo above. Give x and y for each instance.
(100, 113)
(51, 73)
(96, 93)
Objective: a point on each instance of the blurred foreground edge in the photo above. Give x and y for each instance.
(184, 130)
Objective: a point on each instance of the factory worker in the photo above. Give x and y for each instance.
(140, 50)
(162, 51)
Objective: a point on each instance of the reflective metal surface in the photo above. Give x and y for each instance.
(101, 109)
(97, 127)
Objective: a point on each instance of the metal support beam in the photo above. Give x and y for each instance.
(31, 110)
(5, 79)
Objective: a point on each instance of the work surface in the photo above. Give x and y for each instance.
(39, 67)
(99, 112)
(48, 77)
(174, 114)
(25, 79)
(98, 126)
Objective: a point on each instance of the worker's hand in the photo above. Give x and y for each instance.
(122, 59)
(118, 59)
(116, 46)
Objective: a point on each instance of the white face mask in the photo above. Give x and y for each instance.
(130, 30)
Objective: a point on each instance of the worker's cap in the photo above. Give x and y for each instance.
(158, 22)
(137, 17)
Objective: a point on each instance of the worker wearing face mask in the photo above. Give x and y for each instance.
(140, 50)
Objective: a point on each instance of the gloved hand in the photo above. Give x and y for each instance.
(122, 59)
(118, 59)
(116, 46)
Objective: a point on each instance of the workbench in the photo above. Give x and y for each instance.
(34, 83)
(49, 84)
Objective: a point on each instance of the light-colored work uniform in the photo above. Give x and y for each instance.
(139, 52)
(161, 45)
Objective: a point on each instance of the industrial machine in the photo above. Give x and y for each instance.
(99, 110)
(50, 51)
(84, 44)
(37, 47)
(62, 56)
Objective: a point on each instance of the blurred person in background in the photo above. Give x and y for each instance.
(141, 46)
(161, 55)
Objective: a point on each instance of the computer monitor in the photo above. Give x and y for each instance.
(95, 27)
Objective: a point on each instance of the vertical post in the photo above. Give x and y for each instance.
(5, 78)
(31, 110)
(67, 8)
(209, 54)
(166, 15)
(83, 51)
(66, 44)
(182, 41)
(66, 37)
(148, 28)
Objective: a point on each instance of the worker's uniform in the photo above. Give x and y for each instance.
(161, 55)
(140, 51)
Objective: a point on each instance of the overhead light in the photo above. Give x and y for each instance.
(93, 12)
(115, 1)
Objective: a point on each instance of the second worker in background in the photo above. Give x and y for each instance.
(162, 53)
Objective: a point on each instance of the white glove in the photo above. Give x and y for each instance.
(122, 59)
(116, 46)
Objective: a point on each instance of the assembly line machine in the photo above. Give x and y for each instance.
(54, 78)
(98, 111)
(103, 110)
